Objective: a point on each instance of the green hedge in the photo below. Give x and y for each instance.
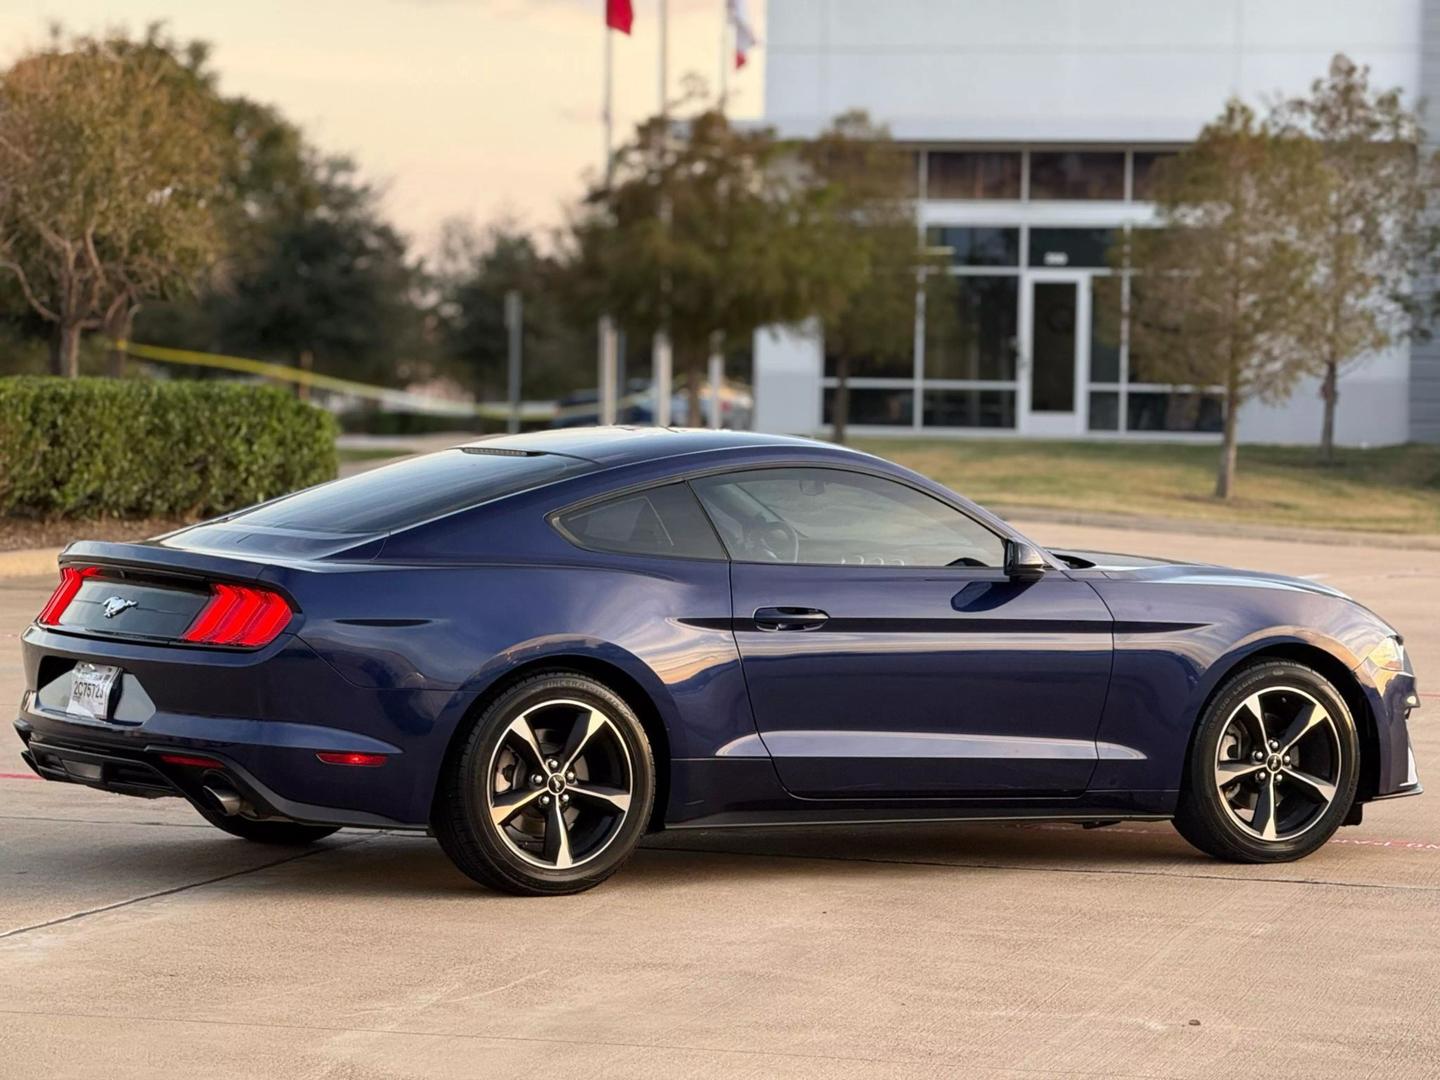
(136, 448)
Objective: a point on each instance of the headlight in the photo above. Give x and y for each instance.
(1389, 654)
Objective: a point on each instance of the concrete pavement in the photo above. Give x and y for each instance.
(137, 942)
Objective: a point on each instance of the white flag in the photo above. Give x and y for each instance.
(745, 39)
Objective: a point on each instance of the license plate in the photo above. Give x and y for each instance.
(92, 689)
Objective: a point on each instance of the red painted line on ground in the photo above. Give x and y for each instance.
(18, 776)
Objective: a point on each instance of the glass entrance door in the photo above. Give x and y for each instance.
(1055, 328)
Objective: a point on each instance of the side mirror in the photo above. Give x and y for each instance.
(1023, 562)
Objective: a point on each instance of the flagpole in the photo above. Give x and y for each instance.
(661, 359)
(606, 334)
(716, 373)
(724, 53)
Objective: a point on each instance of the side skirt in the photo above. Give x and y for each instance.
(781, 818)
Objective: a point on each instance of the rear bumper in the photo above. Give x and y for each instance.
(143, 773)
(279, 708)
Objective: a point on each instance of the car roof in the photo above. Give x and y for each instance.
(623, 445)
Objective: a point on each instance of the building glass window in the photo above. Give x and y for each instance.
(1143, 172)
(1088, 248)
(1105, 329)
(896, 365)
(1173, 410)
(1104, 410)
(1074, 174)
(973, 175)
(976, 245)
(870, 405)
(971, 327)
(970, 408)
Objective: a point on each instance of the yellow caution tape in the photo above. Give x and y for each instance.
(401, 399)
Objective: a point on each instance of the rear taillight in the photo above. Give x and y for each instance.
(239, 615)
(71, 578)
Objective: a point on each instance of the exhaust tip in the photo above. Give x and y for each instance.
(228, 800)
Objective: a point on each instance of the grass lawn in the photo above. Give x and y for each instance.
(1392, 489)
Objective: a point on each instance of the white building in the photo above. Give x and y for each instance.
(1034, 123)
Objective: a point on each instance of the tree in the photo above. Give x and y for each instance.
(868, 311)
(1363, 233)
(474, 272)
(331, 284)
(109, 167)
(1221, 287)
(707, 231)
(314, 275)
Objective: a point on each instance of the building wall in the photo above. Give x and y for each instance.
(1425, 363)
(1084, 74)
(1088, 70)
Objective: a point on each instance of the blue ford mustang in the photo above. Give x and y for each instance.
(542, 646)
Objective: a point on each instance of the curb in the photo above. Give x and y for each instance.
(1196, 527)
(28, 562)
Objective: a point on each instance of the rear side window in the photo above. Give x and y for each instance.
(658, 521)
(412, 491)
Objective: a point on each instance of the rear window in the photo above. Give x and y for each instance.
(411, 491)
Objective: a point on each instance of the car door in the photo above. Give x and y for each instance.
(886, 652)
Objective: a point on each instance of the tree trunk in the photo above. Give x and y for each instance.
(57, 363)
(307, 363)
(69, 350)
(840, 405)
(693, 377)
(118, 331)
(1330, 392)
(1225, 481)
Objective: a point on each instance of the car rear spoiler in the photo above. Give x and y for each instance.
(154, 557)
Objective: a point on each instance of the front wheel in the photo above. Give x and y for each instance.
(1273, 768)
(551, 790)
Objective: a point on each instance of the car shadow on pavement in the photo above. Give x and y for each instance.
(411, 866)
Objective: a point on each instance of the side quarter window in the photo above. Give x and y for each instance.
(832, 517)
(657, 521)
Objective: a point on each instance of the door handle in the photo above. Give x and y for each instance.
(789, 618)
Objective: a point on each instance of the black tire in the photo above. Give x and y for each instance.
(505, 856)
(1210, 817)
(275, 833)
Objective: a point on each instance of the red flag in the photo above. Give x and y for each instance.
(619, 15)
(745, 39)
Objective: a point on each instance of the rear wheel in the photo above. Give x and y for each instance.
(278, 833)
(550, 791)
(1273, 768)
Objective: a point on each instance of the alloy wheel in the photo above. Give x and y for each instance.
(559, 783)
(1278, 763)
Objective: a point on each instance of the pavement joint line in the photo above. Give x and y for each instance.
(1114, 871)
(161, 893)
(103, 821)
(623, 1044)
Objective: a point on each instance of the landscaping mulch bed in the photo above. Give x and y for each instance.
(18, 534)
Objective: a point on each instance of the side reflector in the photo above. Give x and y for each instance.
(364, 761)
(71, 578)
(239, 615)
(191, 761)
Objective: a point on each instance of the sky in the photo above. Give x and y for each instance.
(470, 108)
